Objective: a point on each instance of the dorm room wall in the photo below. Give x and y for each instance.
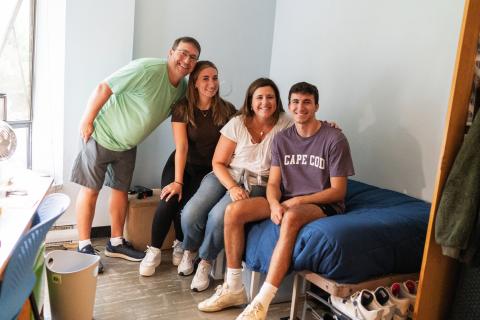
(98, 41)
(383, 69)
(101, 36)
(236, 35)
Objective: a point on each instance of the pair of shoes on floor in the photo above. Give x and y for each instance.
(396, 302)
(153, 258)
(224, 298)
(88, 249)
(201, 280)
(360, 305)
(124, 251)
(406, 292)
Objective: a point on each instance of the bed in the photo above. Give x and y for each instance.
(378, 240)
(382, 232)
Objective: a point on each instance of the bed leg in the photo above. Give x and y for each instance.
(254, 285)
(297, 285)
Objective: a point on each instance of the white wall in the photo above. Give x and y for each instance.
(98, 41)
(236, 35)
(101, 35)
(383, 69)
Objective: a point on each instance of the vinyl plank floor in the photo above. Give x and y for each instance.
(123, 294)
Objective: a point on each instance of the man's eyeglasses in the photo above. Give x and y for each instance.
(184, 54)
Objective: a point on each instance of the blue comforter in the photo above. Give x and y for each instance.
(382, 232)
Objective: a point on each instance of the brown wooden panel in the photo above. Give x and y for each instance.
(438, 275)
(344, 290)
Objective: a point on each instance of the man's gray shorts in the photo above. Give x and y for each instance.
(96, 166)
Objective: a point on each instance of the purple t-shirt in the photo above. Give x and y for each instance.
(307, 164)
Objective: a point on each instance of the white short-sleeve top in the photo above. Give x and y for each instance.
(250, 164)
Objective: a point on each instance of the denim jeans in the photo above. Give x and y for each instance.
(202, 217)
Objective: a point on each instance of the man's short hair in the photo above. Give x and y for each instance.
(304, 87)
(187, 40)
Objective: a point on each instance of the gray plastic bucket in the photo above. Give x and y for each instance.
(72, 282)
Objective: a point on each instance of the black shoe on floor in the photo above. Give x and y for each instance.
(88, 249)
(124, 251)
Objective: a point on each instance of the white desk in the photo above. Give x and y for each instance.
(17, 210)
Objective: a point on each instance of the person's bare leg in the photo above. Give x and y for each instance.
(85, 208)
(237, 214)
(232, 292)
(118, 211)
(293, 220)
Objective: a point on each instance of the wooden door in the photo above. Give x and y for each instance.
(438, 276)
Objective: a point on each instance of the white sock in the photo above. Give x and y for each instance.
(234, 279)
(116, 241)
(266, 294)
(83, 243)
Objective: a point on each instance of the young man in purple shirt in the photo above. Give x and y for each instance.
(308, 180)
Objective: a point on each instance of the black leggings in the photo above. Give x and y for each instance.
(170, 211)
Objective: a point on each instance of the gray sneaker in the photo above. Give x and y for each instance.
(88, 249)
(223, 298)
(124, 251)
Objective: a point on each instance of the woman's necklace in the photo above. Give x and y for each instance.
(204, 112)
(257, 133)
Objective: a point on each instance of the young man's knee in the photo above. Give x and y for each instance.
(89, 192)
(290, 220)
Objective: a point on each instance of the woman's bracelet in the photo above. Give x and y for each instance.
(178, 183)
(235, 185)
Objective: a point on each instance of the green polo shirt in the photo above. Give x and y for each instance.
(142, 99)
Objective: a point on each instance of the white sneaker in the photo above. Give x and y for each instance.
(223, 298)
(201, 280)
(409, 289)
(401, 304)
(358, 306)
(383, 301)
(254, 311)
(185, 268)
(405, 291)
(152, 259)
(177, 252)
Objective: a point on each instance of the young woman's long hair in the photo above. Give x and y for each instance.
(220, 112)
(246, 109)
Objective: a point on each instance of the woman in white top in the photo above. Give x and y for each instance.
(241, 164)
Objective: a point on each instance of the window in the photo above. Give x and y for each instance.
(17, 22)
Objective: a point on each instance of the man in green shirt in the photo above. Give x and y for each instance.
(121, 112)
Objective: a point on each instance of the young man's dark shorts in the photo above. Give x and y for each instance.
(329, 209)
(96, 166)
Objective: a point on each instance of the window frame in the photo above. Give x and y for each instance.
(27, 124)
